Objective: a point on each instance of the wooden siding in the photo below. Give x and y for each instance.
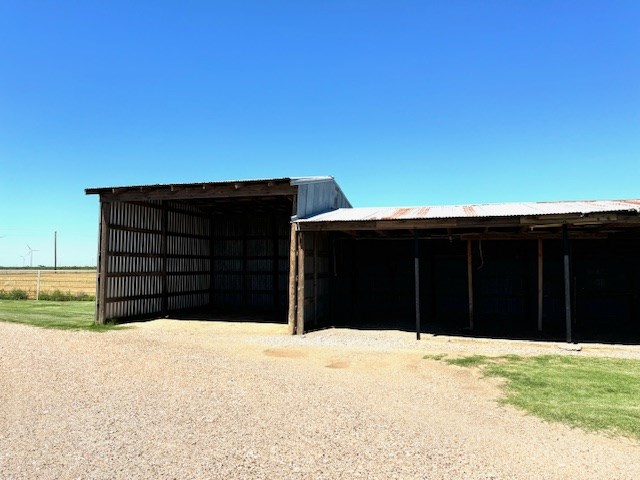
(187, 257)
(251, 262)
(317, 274)
(152, 245)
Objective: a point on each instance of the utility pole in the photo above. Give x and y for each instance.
(55, 250)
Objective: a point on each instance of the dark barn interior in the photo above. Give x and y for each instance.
(374, 287)
(372, 283)
(205, 257)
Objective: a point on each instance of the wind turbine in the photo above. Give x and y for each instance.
(24, 259)
(30, 254)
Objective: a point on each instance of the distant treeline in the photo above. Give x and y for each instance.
(47, 268)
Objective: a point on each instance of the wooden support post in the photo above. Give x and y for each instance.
(103, 263)
(315, 278)
(301, 282)
(416, 271)
(276, 265)
(212, 263)
(164, 248)
(293, 279)
(567, 282)
(245, 267)
(470, 280)
(540, 283)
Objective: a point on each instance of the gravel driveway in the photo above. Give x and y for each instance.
(170, 399)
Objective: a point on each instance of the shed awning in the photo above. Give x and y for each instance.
(522, 213)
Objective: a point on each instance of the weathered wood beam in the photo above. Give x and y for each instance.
(550, 221)
(575, 235)
(164, 225)
(134, 297)
(123, 228)
(540, 283)
(537, 235)
(470, 281)
(301, 282)
(212, 264)
(245, 266)
(315, 278)
(275, 265)
(112, 253)
(135, 274)
(293, 275)
(169, 208)
(416, 272)
(195, 192)
(103, 263)
(567, 282)
(153, 295)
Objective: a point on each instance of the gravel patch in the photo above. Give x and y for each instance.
(393, 340)
(169, 399)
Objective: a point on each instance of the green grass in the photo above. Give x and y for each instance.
(68, 315)
(55, 295)
(471, 361)
(59, 296)
(15, 294)
(600, 394)
(435, 356)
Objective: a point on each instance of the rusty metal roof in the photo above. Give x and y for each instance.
(477, 210)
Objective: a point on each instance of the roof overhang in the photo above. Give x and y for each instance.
(531, 216)
(203, 190)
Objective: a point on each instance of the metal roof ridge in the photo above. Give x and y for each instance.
(462, 205)
(310, 179)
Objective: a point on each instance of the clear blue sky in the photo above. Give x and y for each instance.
(404, 102)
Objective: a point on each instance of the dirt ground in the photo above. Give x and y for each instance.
(172, 399)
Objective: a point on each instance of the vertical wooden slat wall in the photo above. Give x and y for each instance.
(157, 259)
(134, 260)
(188, 257)
(251, 262)
(317, 278)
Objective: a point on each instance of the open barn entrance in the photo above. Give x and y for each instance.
(249, 255)
(376, 284)
(491, 287)
(199, 258)
(196, 251)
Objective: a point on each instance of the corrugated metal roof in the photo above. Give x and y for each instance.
(291, 180)
(303, 180)
(476, 211)
(190, 184)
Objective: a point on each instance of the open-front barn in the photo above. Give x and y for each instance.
(217, 247)
(294, 248)
(548, 269)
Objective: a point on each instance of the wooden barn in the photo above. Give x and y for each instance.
(293, 249)
(219, 247)
(530, 270)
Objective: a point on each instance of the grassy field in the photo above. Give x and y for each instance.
(593, 393)
(61, 315)
(70, 282)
